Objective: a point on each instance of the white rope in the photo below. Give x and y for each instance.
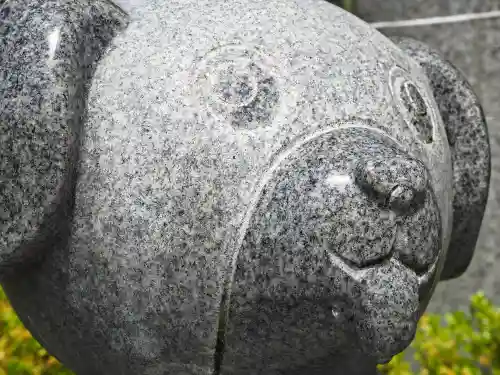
(437, 20)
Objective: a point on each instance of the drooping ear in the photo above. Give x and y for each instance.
(48, 52)
(467, 134)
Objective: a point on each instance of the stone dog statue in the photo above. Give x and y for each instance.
(229, 187)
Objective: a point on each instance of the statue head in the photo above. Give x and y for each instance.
(198, 187)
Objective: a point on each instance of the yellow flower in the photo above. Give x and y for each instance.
(52, 361)
(25, 335)
(446, 371)
(485, 360)
(431, 350)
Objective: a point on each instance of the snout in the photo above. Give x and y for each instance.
(384, 238)
(391, 213)
(335, 251)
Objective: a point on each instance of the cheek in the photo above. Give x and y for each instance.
(427, 284)
(358, 231)
(418, 238)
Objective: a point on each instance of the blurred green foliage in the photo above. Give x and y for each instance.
(21, 354)
(461, 343)
(349, 5)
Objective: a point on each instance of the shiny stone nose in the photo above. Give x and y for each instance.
(401, 198)
(398, 184)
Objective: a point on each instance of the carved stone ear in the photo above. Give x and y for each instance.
(467, 134)
(48, 52)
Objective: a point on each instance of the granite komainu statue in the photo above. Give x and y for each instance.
(229, 187)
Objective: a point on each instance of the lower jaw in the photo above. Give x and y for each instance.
(385, 309)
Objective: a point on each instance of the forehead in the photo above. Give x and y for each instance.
(303, 65)
(256, 68)
(323, 59)
(249, 79)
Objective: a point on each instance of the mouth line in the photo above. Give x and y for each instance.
(353, 269)
(421, 275)
(371, 263)
(360, 275)
(421, 272)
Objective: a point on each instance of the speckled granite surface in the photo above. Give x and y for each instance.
(473, 47)
(191, 215)
(353, 232)
(467, 133)
(47, 57)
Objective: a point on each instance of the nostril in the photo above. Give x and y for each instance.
(405, 200)
(401, 182)
(401, 198)
(4, 13)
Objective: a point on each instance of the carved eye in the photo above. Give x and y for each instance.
(239, 85)
(4, 13)
(417, 109)
(412, 105)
